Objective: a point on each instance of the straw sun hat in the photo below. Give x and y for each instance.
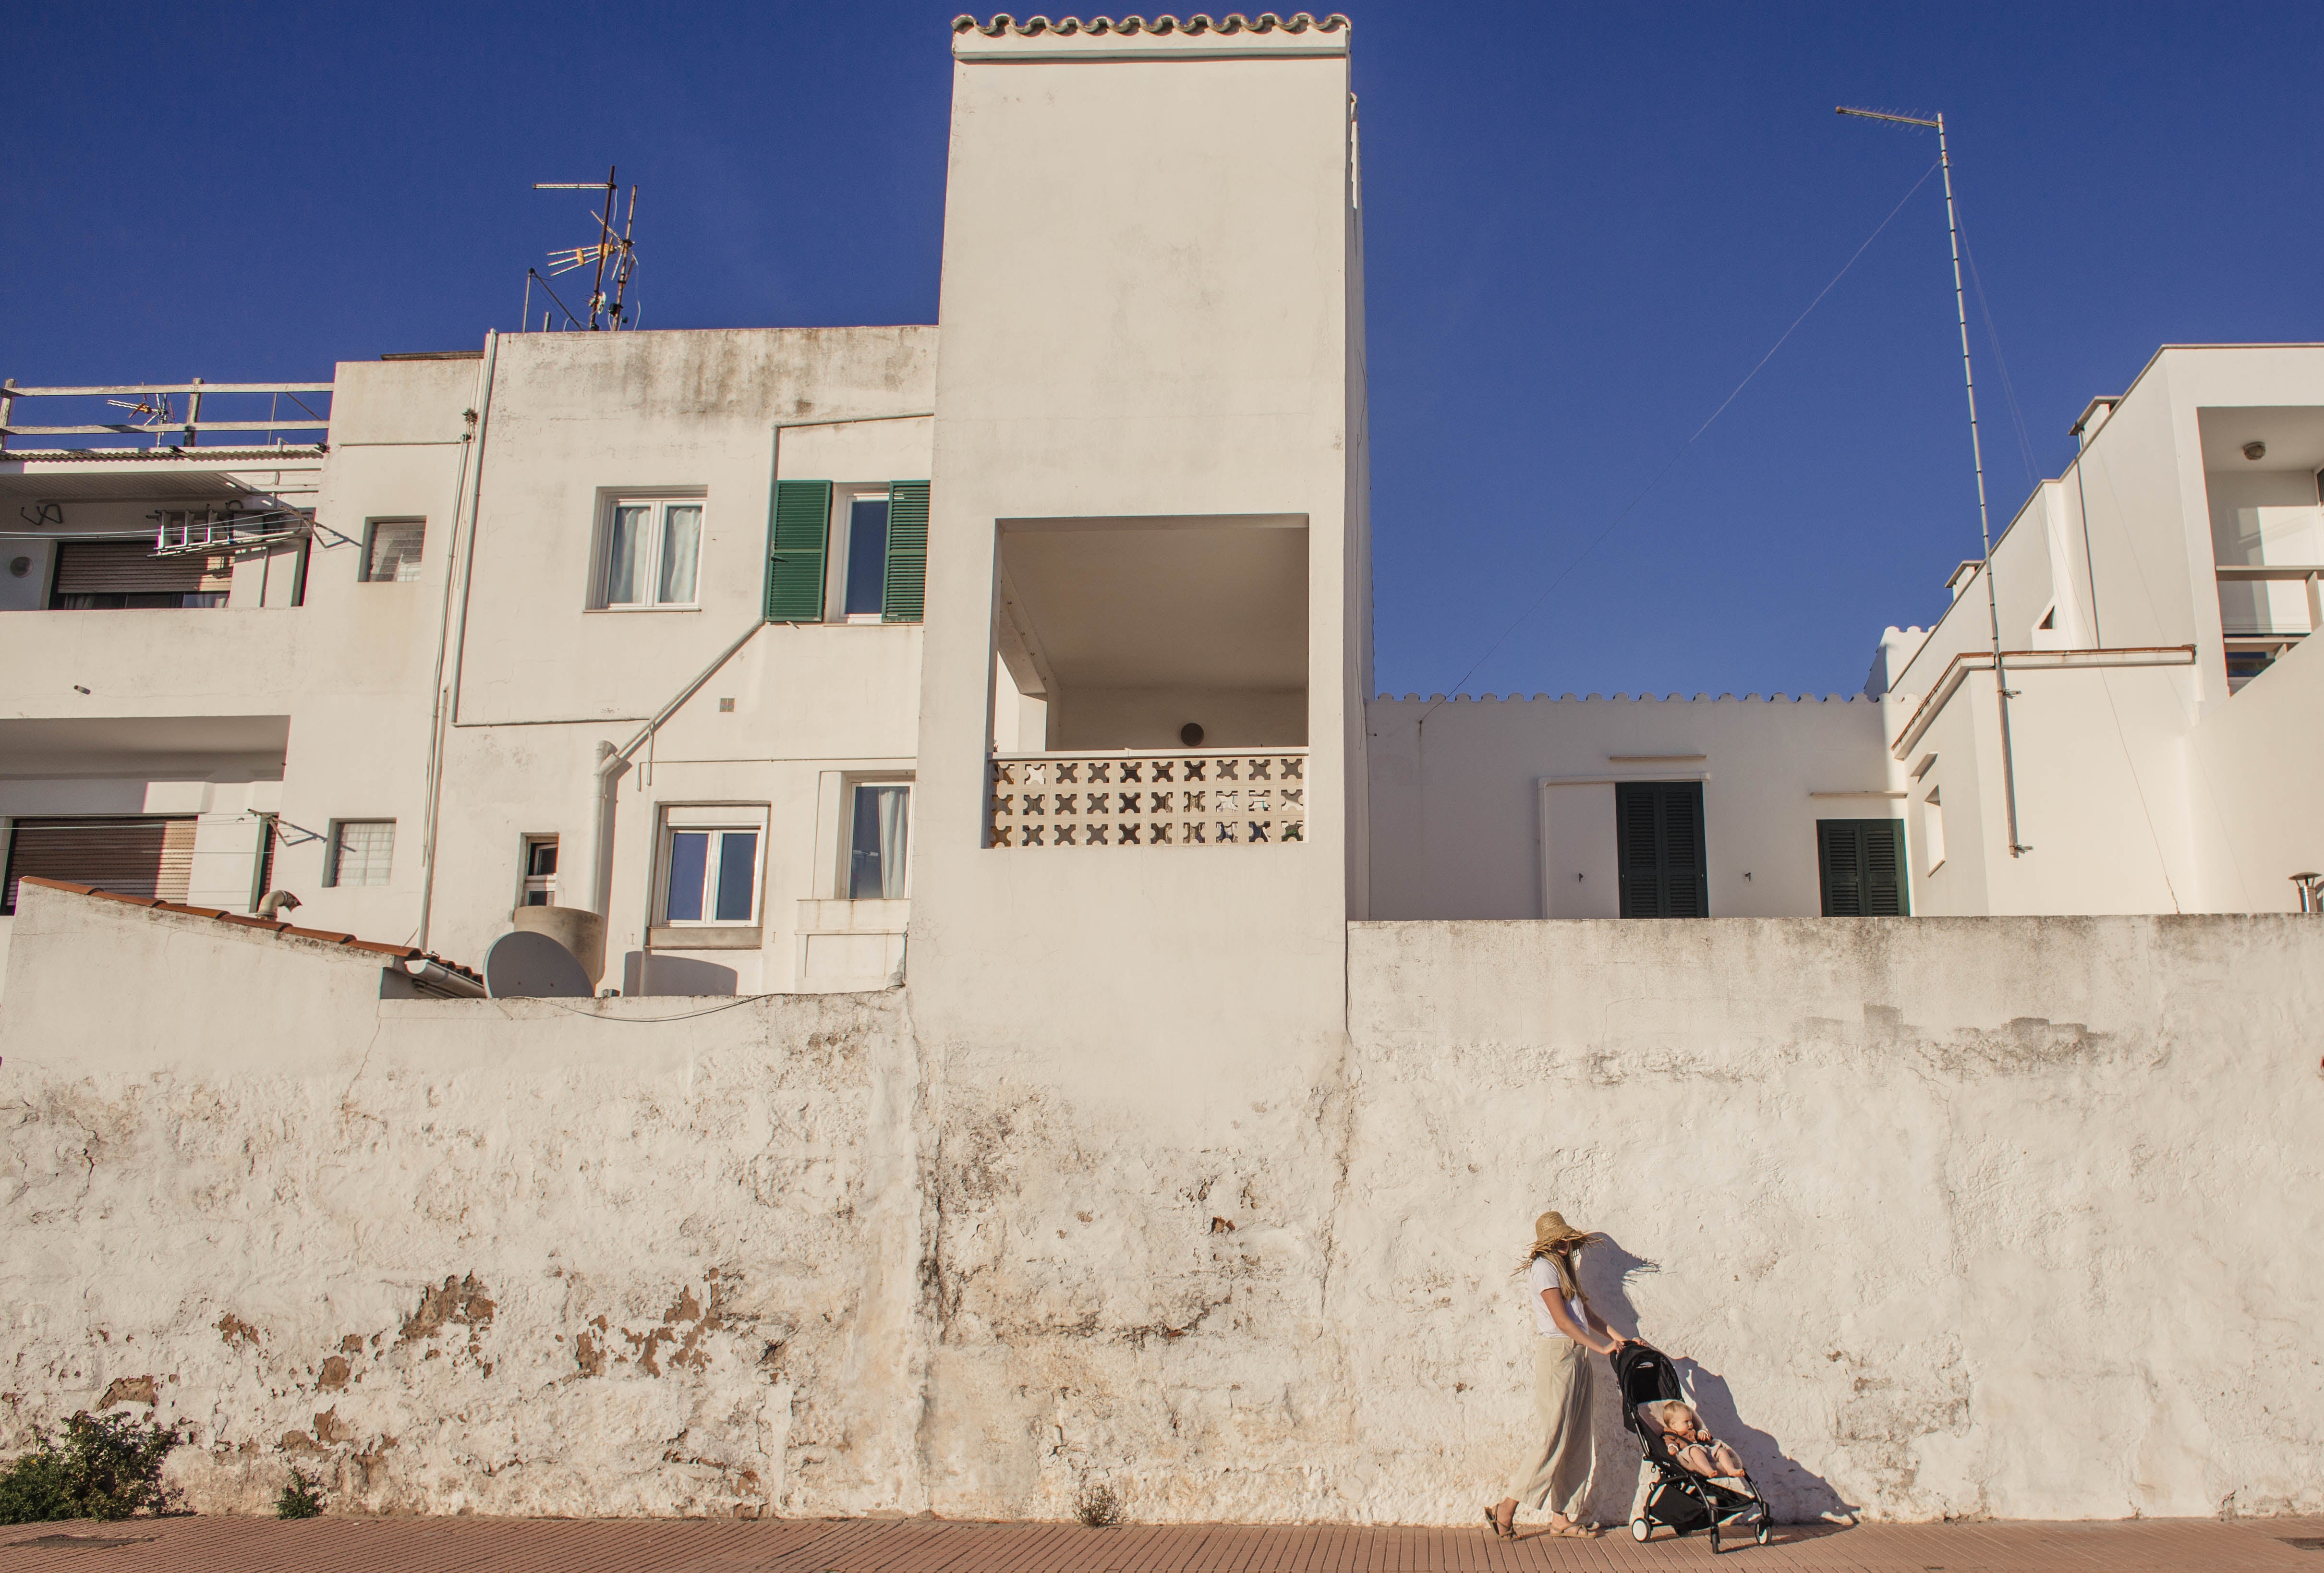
(1552, 1229)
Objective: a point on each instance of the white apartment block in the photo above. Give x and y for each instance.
(778, 648)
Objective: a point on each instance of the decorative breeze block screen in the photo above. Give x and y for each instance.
(1158, 800)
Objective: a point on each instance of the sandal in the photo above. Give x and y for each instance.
(1508, 1531)
(1574, 1532)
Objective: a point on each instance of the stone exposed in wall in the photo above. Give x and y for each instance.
(1954, 1216)
(509, 1257)
(1951, 1218)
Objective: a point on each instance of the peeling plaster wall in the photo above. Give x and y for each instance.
(519, 1256)
(1971, 1217)
(1956, 1217)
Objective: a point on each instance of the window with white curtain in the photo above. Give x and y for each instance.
(362, 852)
(392, 555)
(877, 849)
(653, 552)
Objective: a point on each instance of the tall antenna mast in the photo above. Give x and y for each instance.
(1977, 455)
(606, 313)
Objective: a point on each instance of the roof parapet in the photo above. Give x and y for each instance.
(1198, 36)
(406, 953)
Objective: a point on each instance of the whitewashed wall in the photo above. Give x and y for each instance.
(626, 1256)
(1953, 1217)
(1492, 808)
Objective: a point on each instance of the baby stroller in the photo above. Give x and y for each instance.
(1679, 1498)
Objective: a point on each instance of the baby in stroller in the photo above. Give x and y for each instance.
(1688, 1480)
(1689, 1440)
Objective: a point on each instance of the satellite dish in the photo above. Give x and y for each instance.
(532, 966)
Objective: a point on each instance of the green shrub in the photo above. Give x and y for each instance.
(302, 1498)
(106, 1467)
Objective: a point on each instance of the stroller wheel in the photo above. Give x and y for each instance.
(1639, 1530)
(1764, 1529)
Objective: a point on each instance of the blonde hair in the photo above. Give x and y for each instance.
(1561, 1253)
(1671, 1413)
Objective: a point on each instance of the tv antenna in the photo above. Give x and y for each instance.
(2005, 692)
(611, 252)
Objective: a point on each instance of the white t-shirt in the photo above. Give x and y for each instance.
(1543, 1276)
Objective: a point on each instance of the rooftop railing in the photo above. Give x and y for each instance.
(155, 412)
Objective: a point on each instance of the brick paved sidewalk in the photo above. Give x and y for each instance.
(482, 1545)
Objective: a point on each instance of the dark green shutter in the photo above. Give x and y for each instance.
(1664, 870)
(796, 539)
(903, 596)
(1862, 866)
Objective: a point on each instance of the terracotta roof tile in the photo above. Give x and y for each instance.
(243, 920)
(1234, 22)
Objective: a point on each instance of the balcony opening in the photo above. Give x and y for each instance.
(1150, 680)
(2260, 467)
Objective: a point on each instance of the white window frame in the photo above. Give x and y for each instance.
(372, 527)
(717, 819)
(840, 533)
(659, 503)
(527, 882)
(332, 879)
(846, 872)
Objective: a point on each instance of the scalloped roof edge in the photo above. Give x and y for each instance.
(1233, 22)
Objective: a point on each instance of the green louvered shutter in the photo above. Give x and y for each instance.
(1862, 868)
(797, 538)
(1839, 851)
(904, 597)
(1883, 868)
(1658, 829)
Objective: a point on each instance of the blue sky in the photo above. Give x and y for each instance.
(1584, 224)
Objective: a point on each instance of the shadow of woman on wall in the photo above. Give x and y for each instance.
(1797, 1494)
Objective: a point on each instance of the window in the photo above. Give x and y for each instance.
(2248, 662)
(867, 556)
(392, 555)
(1861, 862)
(263, 876)
(361, 852)
(877, 846)
(711, 875)
(885, 551)
(1660, 855)
(1932, 833)
(540, 872)
(106, 575)
(653, 551)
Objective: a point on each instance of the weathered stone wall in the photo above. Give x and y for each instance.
(629, 1256)
(1957, 1217)
(1951, 1217)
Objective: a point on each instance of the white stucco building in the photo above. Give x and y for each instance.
(905, 630)
(2153, 604)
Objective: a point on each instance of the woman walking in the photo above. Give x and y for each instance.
(1556, 1473)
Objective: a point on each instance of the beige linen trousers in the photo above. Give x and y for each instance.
(1556, 1474)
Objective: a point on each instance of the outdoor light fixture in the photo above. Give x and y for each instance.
(2255, 450)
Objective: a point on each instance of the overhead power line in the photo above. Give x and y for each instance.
(1671, 463)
